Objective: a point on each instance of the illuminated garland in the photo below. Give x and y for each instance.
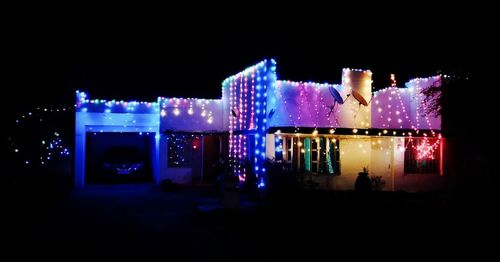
(50, 148)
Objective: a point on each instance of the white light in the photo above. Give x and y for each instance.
(177, 111)
(16, 150)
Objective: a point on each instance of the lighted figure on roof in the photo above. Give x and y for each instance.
(393, 80)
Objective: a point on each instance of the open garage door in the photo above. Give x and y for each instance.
(116, 157)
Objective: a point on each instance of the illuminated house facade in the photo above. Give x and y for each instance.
(329, 132)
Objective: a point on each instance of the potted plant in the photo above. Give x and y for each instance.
(363, 182)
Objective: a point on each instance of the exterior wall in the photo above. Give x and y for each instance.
(355, 154)
(384, 161)
(395, 107)
(307, 104)
(270, 146)
(196, 115)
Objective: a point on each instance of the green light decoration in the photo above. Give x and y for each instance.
(329, 158)
(307, 153)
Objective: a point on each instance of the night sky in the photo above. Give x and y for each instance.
(129, 60)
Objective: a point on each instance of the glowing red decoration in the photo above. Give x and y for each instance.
(426, 149)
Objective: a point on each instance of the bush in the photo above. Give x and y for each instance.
(168, 185)
(282, 184)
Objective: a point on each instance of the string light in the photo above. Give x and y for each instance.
(304, 103)
(249, 86)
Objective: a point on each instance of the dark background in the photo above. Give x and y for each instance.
(141, 56)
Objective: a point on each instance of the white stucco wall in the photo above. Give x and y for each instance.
(395, 107)
(307, 104)
(355, 153)
(198, 115)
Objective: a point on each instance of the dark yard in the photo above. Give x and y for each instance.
(128, 221)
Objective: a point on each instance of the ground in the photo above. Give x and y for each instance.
(141, 221)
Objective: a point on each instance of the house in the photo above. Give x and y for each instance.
(330, 132)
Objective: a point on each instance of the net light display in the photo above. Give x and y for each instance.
(247, 105)
(52, 144)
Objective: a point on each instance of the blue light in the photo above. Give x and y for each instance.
(107, 110)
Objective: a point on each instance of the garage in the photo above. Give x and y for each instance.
(118, 157)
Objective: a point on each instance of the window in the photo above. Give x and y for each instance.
(180, 150)
(318, 154)
(422, 155)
